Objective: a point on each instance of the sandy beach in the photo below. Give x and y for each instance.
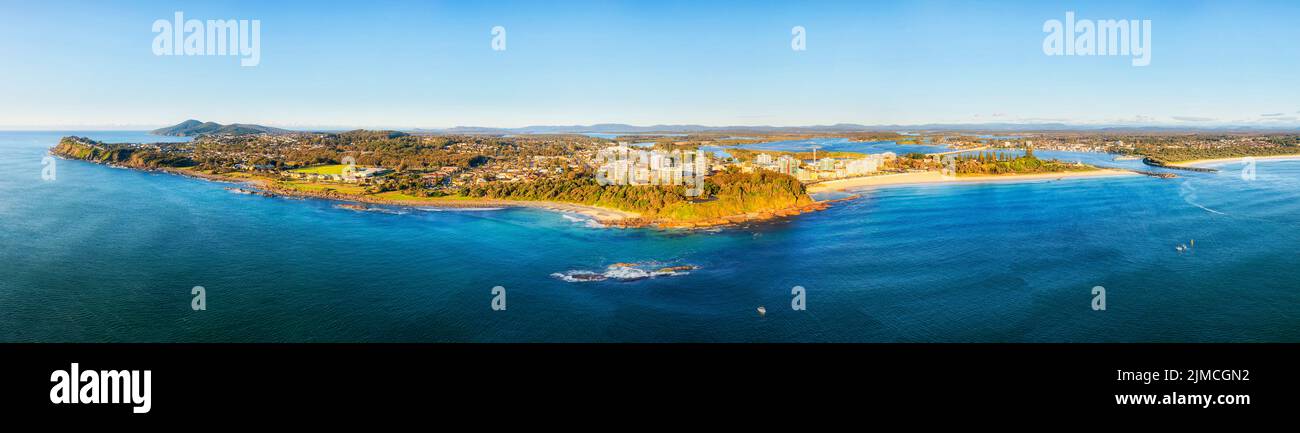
(936, 177)
(600, 214)
(1239, 159)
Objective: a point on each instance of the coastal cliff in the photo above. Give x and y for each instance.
(729, 197)
(133, 156)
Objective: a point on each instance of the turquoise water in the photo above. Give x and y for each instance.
(103, 254)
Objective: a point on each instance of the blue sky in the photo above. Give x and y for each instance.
(89, 64)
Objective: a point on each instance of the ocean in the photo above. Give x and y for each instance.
(100, 254)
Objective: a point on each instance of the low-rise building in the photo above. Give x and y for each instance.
(354, 174)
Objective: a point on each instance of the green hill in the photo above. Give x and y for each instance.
(190, 128)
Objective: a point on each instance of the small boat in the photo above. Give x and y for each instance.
(1181, 248)
(762, 311)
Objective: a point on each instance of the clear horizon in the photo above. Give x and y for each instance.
(407, 65)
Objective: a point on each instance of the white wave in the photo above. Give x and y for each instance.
(371, 209)
(460, 209)
(586, 222)
(626, 273)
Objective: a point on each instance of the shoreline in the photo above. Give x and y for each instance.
(1211, 161)
(934, 177)
(602, 215)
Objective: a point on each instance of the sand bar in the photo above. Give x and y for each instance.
(1238, 159)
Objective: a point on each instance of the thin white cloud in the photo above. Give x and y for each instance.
(1193, 119)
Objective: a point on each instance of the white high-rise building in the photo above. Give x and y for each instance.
(623, 166)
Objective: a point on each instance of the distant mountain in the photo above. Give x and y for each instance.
(190, 128)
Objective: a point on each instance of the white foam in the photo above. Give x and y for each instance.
(579, 276)
(626, 273)
(586, 222)
(618, 273)
(460, 209)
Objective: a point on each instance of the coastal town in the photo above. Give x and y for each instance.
(643, 177)
(442, 165)
(389, 160)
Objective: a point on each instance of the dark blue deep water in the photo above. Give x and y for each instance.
(103, 254)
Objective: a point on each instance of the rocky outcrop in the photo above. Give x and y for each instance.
(730, 220)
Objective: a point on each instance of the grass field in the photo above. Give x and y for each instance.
(398, 195)
(318, 187)
(243, 175)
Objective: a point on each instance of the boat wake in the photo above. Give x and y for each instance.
(1208, 209)
(625, 272)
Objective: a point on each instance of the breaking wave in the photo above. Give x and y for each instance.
(588, 222)
(460, 209)
(625, 272)
(359, 208)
